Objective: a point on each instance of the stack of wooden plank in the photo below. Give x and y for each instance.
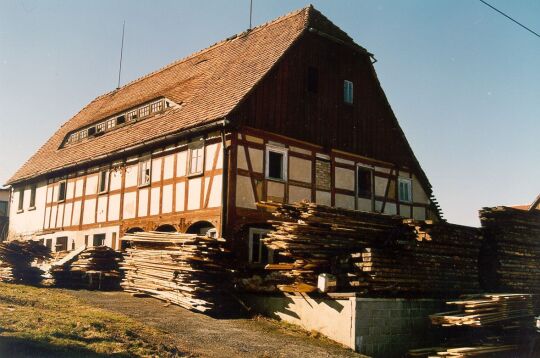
(187, 270)
(486, 325)
(442, 259)
(492, 350)
(510, 259)
(370, 252)
(489, 310)
(16, 258)
(92, 268)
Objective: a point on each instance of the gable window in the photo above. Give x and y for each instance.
(61, 243)
(313, 79)
(33, 196)
(348, 91)
(276, 163)
(364, 179)
(62, 191)
(21, 200)
(258, 252)
(196, 158)
(145, 170)
(405, 190)
(103, 181)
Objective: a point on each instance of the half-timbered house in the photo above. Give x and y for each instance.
(291, 110)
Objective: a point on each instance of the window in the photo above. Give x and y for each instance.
(3, 208)
(62, 191)
(21, 200)
(103, 181)
(258, 252)
(33, 196)
(276, 163)
(132, 116)
(196, 158)
(98, 240)
(61, 243)
(144, 111)
(313, 80)
(156, 106)
(48, 243)
(364, 177)
(145, 167)
(405, 190)
(348, 91)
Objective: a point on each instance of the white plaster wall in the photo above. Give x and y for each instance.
(79, 184)
(167, 199)
(180, 196)
(300, 169)
(24, 224)
(405, 211)
(130, 203)
(364, 204)
(115, 179)
(143, 202)
(181, 163)
(344, 178)
(156, 169)
(297, 194)
(67, 214)
(76, 217)
(323, 198)
(345, 201)
(194, 193)
(168, 167)
(215, 192)
(114, 207)
(419, 213)
(91, 184)
(131, 175)
(244, 193)
(419, 195)
(154, 200)
(102, 208)
(89, 211)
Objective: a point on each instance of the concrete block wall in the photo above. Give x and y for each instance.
(389, 327)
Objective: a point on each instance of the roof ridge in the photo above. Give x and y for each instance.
(211, 47)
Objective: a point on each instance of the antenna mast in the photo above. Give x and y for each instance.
(250, 12)
(121, 52)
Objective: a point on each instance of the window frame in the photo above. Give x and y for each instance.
(407, 181)
(143, 160)
(60, 183)
(32, 204)
(107, 180)
(196, 145)
(260, 231)
(20, 204)
(348, 91)
(6, 212)
(102, 236)
(371, 171)
(284, 163)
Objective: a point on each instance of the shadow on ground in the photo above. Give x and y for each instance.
(15, 347)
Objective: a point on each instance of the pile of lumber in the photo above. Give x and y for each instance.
(510, 260)
(183, 269)
(489, 310)
(492, 350)
(486, 325)
(16, 258)
(93, 268)
(369, 252)
(441, 259)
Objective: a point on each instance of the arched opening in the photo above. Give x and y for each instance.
(166, 228)
(202, 228)
(126, 244)
(133, 230)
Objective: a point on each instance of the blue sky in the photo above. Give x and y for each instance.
(463, 81)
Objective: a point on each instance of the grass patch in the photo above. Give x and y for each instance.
(48, 323)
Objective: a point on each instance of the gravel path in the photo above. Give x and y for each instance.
(203, 336)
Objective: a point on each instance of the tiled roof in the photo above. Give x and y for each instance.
(208, 84)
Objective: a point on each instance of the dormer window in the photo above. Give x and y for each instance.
(131, 115)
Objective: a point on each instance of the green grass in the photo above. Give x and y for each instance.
(46, 322)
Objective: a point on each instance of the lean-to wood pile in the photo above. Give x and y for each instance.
(368, 252)
(510, 260)
(94, 268)
(16, 258)
(187, 270)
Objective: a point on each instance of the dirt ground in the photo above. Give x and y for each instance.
(203, 336)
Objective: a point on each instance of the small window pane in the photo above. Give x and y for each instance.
(144, 172)
(275, 165)
(3, 208)
(348, 91)
(144, 111)
(62, 191)
(21, 199)
(196, 160)
(32, 196)
(103, 181)
(405, 190)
